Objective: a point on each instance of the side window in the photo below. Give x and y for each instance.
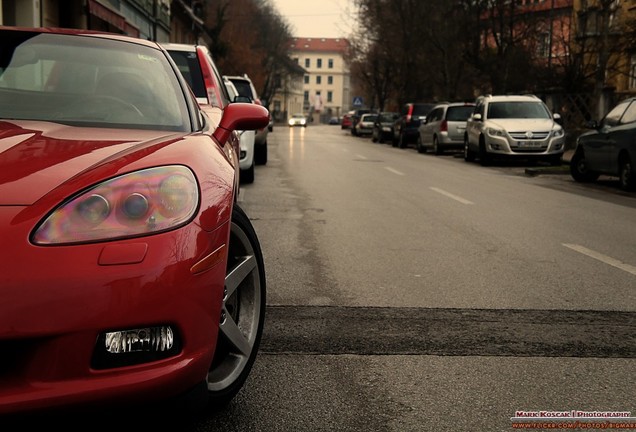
(630, 114)
(613, 117)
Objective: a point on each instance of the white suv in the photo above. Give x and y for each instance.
(513, 126)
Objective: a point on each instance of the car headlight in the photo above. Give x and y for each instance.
(134, 204)
(495, 132)
(386, 129)
(291, 122)
(302, 121)
(558, 133)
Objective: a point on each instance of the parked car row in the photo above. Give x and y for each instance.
(120, 178)
(511, 127)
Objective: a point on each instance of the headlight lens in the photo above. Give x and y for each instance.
(139, 203)
(558, 133)
(495, 132)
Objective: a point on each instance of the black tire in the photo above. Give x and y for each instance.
(247, 175)
(401, 141)
(436, 147)
(469, 155)
(418, 145)
(484, 157)
(627, 174)
(555, 160)
(243, 313)
(260, 154)
(579, 170)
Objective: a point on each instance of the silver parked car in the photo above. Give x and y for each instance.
(444, 127)
(515, 127)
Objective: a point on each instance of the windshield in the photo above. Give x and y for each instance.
(88, 81)
(518, 110)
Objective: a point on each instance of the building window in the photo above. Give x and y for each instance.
(330, 64)
(632, 74)
(318, 79)
(307, 62)
(318, 63)
(306, 96)
(297, 60)
(329, 96)
(306, 79)
(543, 45)
(329, 80)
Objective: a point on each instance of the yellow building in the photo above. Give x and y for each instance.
(326, 83)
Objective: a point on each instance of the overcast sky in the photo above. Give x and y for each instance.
(318, 18)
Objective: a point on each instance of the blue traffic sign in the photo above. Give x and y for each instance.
(358, 101)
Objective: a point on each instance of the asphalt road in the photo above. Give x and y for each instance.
(411, 292)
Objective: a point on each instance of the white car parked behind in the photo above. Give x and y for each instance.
(246, 156)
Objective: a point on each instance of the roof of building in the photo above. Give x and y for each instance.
(339, 45)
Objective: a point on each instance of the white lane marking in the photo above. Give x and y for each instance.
(360, 156)
(394, 171)
(450, 195)
(603, 258)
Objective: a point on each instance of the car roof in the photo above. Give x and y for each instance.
(181, 47)
(512, 98)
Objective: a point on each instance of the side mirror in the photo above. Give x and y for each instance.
(477, 117)
(557, 118)
(592, 124)
(242, 99)
(241, 116)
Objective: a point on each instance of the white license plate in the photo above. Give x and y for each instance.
(529, 144)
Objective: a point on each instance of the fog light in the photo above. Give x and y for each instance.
(135, 346)
(243, 154)
(145, 339)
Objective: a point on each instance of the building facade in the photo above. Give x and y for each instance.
(326, 83)
(146, 19)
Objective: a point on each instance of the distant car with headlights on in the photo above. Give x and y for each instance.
(297, 119)
(130, 275)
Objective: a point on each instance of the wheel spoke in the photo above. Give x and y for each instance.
(239, 273)
(234, 336)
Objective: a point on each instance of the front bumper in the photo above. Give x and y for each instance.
(511, 147)
(58, 300)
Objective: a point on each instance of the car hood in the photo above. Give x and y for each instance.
(36, 157)
(512, 125)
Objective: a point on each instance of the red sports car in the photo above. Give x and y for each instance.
(128, 272)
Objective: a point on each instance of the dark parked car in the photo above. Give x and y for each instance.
(609, 149)
(355, 118)
(383, 126)
(405, 129)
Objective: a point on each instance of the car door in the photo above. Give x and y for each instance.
(598, 146)
(431, 125)
(621, 137)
